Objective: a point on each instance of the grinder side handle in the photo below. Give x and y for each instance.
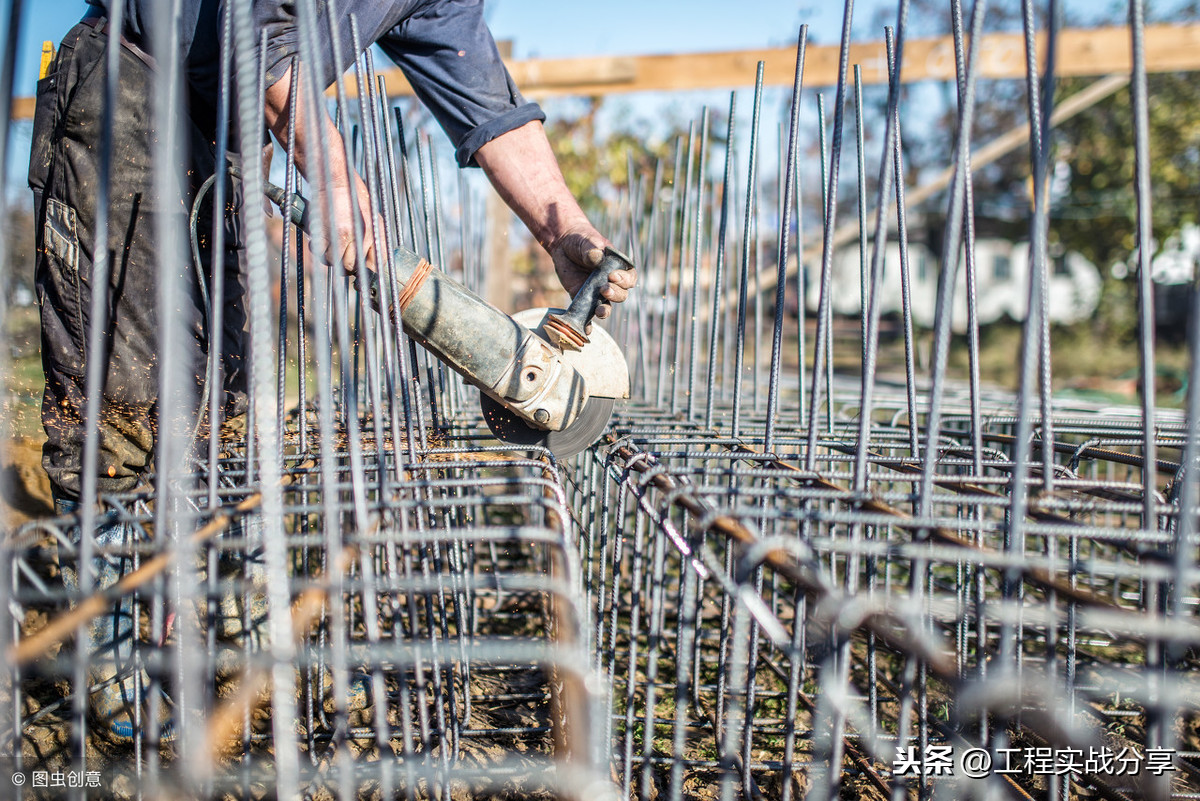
(583, 306)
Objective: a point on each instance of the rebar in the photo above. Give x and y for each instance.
(895, 581)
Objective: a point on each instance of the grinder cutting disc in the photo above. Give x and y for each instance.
(601, 365)
(585, 430)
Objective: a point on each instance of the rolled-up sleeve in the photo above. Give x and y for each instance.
(277, 20)
(443, 46)
(448, 55)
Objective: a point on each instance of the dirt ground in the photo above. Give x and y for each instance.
(24, 487)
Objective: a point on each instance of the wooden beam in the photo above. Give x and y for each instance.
(1082, 52)
(22, 108)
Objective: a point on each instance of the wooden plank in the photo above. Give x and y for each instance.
(22, 108)
(1082, 52)
(574, 71)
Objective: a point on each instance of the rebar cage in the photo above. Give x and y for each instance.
(767, 580)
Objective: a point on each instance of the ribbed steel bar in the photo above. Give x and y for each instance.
(785, 206)
(718, 270)
(743, 284)
(851, 590)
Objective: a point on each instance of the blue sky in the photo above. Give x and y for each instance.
(556, 28)
(623, 27)
(553, 28)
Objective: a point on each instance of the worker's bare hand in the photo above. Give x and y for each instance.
(345, 194)
(576, 254)
(342, 249)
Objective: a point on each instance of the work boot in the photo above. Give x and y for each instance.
(116, 680)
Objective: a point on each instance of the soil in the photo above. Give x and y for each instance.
(24, 486)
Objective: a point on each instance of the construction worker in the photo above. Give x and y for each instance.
(451, 60)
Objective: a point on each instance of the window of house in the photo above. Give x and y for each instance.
(1001, 267)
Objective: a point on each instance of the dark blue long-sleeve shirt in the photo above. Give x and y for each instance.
(443, 47)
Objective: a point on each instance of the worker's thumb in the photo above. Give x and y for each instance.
(583, 251)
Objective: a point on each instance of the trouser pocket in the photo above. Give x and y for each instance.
(61, 288)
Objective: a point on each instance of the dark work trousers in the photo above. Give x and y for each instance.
(65, 166)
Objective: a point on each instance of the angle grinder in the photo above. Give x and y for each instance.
(547, 377)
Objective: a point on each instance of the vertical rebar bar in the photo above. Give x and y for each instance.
(789, 185)
(739, 346)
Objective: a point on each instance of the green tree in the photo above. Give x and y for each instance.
(1094, 203)
(1096, 215)
(596, 164)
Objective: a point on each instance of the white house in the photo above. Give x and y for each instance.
(1176, 264)
(1001, 275)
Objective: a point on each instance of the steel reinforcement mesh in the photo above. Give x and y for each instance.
(796, 565)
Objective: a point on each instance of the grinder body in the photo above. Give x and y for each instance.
(491, 350)
(550, 380)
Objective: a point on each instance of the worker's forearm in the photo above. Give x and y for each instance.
(522, 167)
(277, 113)
(345, 191)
